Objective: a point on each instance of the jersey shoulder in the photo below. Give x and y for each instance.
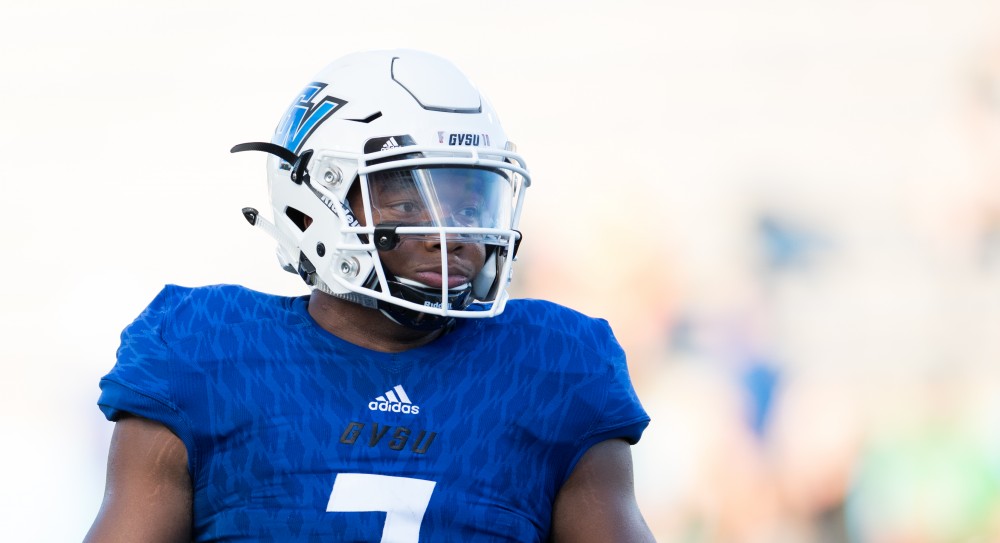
(579, 362)
(530, 317)
(179, 313)
(184, 335)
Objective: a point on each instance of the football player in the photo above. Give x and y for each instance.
(406, 398)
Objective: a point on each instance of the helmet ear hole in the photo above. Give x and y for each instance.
(354, 200)
(300, 219)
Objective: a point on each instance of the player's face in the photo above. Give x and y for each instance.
(448, 197)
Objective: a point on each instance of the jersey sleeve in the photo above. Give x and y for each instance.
(140, 382)
(622, 415)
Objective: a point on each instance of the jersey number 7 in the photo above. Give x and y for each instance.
(403, 499)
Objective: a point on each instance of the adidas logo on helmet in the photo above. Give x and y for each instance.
(390, 144)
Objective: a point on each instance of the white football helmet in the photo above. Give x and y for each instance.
(412, 120)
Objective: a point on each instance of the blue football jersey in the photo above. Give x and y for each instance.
(296, 435)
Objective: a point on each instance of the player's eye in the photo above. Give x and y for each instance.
(407, 211)
(404, 207)
(468, 215)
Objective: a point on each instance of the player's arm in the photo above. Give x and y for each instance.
(597, 503)
(148, 491)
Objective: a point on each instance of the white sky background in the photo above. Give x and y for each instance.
(656, 120)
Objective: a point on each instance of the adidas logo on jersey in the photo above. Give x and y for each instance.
(394, 401)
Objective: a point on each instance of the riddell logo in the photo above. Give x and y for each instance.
(394, 401)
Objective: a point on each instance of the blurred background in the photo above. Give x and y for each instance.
(789, 211)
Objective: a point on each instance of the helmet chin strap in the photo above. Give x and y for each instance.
(416, 320)
(409, 290)
(353, 297)
(413, 291)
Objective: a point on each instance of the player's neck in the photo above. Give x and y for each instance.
(365, 327)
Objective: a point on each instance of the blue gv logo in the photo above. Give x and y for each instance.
(303, 116)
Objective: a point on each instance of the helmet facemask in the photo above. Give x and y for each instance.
(461, 214)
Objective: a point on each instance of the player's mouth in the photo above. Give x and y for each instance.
(435, 279)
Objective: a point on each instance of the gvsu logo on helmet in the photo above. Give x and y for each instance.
(476, 140)
(394, 401)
